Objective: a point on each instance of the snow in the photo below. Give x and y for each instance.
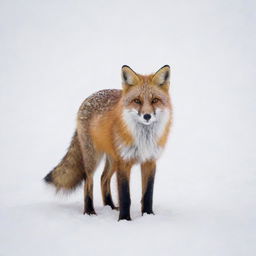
(56, 53)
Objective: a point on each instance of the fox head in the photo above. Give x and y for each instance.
(146, 97)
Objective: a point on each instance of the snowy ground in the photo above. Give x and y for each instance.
(56, 53)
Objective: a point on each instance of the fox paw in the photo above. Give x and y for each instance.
(147, 212)
(124, 217)
(90, 212)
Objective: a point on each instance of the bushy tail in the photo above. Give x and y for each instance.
(69, 173)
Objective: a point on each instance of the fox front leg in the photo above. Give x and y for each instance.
(148, 170)
(123, 180)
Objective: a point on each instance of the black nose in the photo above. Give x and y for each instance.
(147, 116)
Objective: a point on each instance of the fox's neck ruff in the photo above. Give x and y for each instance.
(145, 145)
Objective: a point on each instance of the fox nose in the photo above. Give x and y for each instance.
(147, 117)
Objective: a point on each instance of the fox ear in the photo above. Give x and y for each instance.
(129, 77)
(162, 76)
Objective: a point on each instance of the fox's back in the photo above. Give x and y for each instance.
(100, 102)
(96, 118)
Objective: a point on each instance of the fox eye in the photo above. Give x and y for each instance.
(137, 101)
(155, 100)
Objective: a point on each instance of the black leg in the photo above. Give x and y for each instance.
(147, 200)
(108, 201)
(88, 206)
(148, 170)
(124, 197)
(88, 196)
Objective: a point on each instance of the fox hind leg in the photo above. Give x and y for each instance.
(88, 196)
(105, 184)
(88, 185)
(91, 159)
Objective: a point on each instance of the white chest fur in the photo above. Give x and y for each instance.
(145, 137)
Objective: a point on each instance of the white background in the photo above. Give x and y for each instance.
(53, 54)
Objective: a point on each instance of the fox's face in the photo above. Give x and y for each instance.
(146, 98)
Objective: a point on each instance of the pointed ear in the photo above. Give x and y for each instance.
(129, 77)
(162, 76)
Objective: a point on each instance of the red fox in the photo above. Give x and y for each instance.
(128, 126)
